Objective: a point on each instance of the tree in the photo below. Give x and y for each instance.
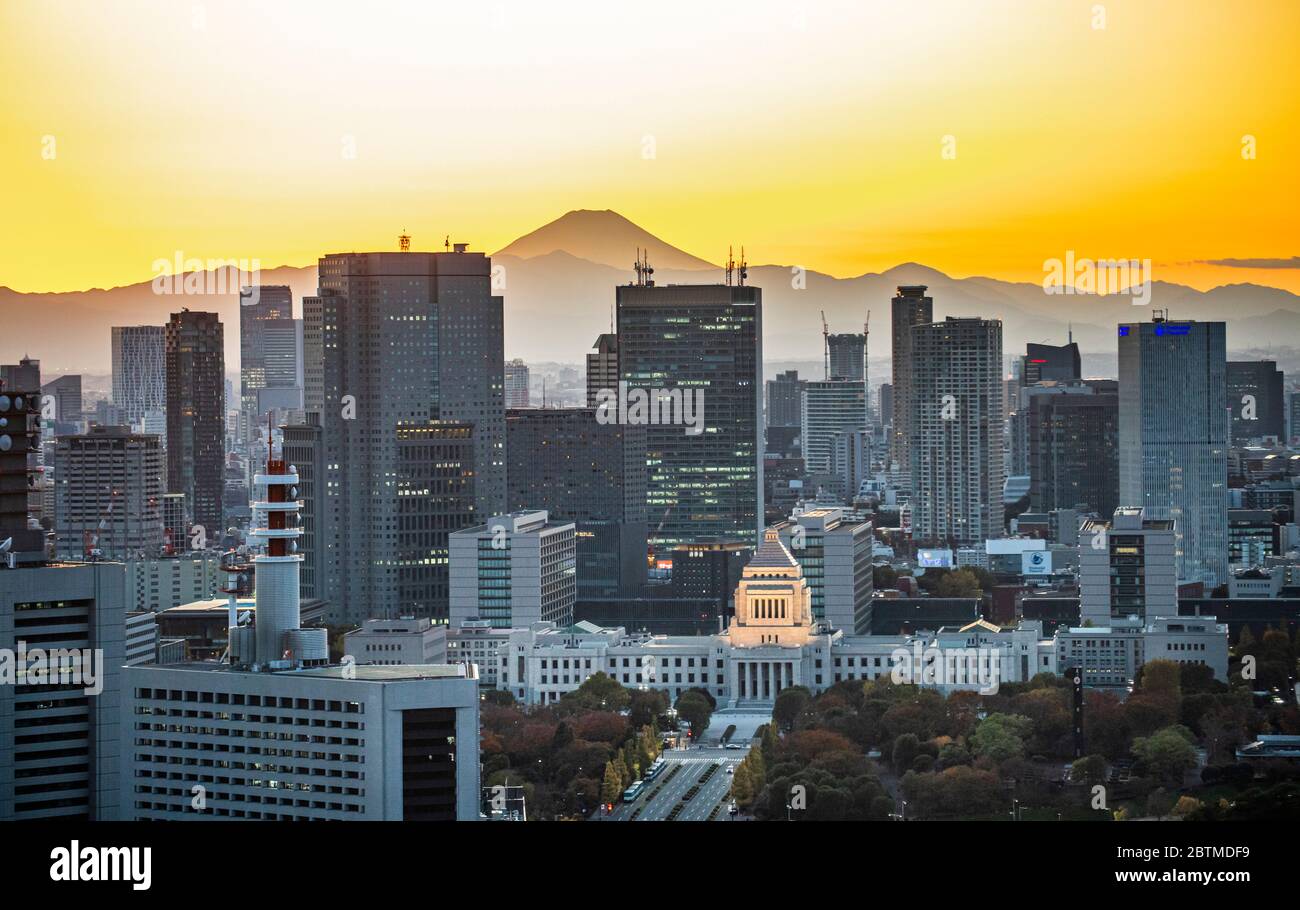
(906, 748)
(1091, 769)
(598, 692)
(789, 705)
(611, 788)
(1166, 754)
(1001, 737)
(693, 708)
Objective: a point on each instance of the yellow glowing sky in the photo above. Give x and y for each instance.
(811, 133)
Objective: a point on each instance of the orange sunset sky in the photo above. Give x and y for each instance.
(812, 133)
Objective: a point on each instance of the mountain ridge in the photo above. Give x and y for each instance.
(552, 277)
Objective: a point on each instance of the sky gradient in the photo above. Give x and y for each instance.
(813, 134)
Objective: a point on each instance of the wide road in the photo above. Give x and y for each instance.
(667, 793)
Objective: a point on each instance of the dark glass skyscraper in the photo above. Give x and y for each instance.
(1255, 400)
(909, 307)
(577, 469)
(1173, 437)
(1050, 363)
(270, 353)
(1073, 442)
(709, 338)
(196, 416)
(392, 343)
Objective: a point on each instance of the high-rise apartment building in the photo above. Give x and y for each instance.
(1173, 437)
(516, 388)
(846, 356)
(514, 570)
(196, 415)
(109, 486)
(910, 307)
(955, 389)
(830, 407)
(396, 340)
(139, 370)
(702, 342)
(785, 399)
(578, 469)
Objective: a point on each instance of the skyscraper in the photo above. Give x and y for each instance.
(1073, 445)
(602, 367)
(1173, 436)
(516, 384)
(270, 353)
(109, 489)
(65, 393)
(1049, 362)
(846, 356)
(830, 407)
(909, 307)
(785, 399)
(196, 415)
(680, 339)
(435, 497)
(393, 342)
(578, 469)
(955, 388)
(1256, 401)
(139, 370)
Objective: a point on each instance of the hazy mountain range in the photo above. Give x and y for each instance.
(559, 294)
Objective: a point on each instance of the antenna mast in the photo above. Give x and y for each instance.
(404, 241)
(744, 271)
(826, 348)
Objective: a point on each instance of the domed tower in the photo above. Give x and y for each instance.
(773, 600)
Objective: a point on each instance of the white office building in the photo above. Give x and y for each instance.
(514, 570)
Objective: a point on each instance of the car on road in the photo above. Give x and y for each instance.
(733, 746)
(731, 770)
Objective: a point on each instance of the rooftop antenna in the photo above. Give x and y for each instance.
(731, 266)
(744, 271)
(826, 347)
(643, 269)
(404, 241)
(446, 243)
(1069, 333)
